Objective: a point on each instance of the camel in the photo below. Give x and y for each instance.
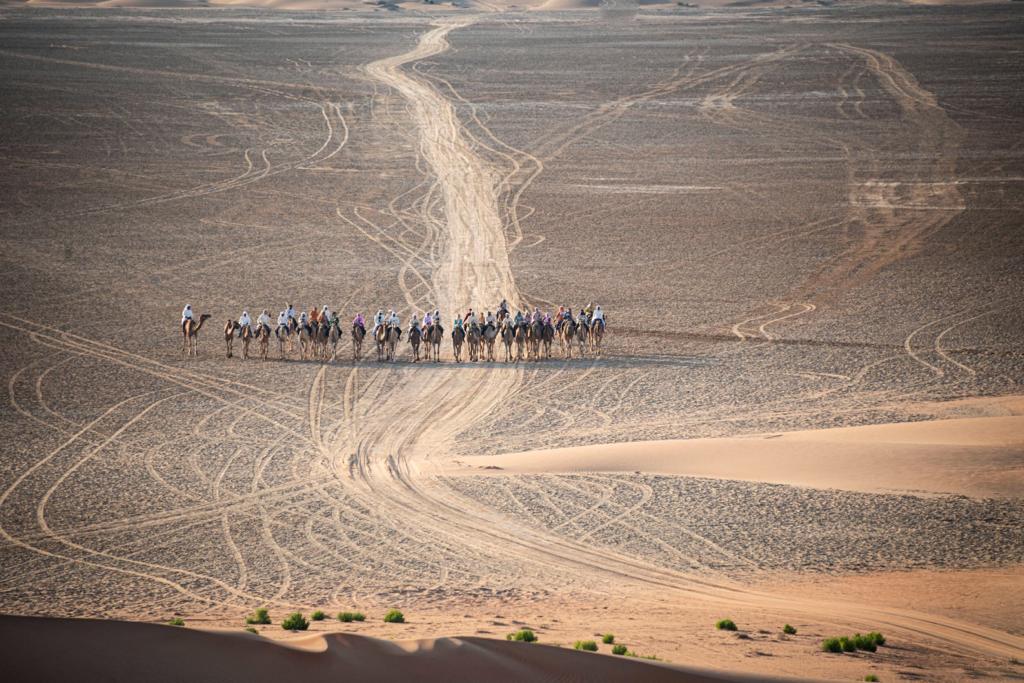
(391, 340)
(520, 337)
(508, 336)
(229, 336)
(358, 333)
(319, 337)
(414, 340)
(246, 340)
(535, 335)
(489, 335)
(548, 335)
(333, 336)
(596, 336)
(190, 335)
(582, 337)
(566, 333)
(434, 336)
(474, 339)
(458, 336)
(263, 340)
(283, 334)
(305, 342)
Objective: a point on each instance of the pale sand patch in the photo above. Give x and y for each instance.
(977, 457)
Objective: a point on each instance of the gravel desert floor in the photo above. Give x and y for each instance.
(805, 225)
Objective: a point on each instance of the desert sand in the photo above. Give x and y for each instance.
(803, 224)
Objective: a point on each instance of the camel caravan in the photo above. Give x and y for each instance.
(524, 335)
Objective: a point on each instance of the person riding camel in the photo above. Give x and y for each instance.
(304, 322)
(186, 315)
(359, 322)
(325, 315)
(243, 322)
(263, 321)
(428, 320)
(457, 323)
(437, 316)
(378, 320)
(395, 322)
(547, 319)
(314, 317)
(582, 321)
(503, 309)
(334, 320)
(470, 320)
(414, 323)
(598, 316)
(518, 320)
(559, 317)
(282, 321)
(589, 310)
(290, 315)
(490, 320)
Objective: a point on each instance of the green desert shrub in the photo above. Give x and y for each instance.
(619, 650)
(295, 622)
(608, 638)
(351, 616)
(317, 615)
(252, 629)
(866, 643)
(847, 644)
(831, 645)
(176, 621)
(725, 625)
(877, 638)
(260, 616)
(871, 677)
(588, 645)
(789, 630)
(523, 634)
(394, 617)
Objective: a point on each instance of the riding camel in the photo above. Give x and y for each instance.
(284, 335)
(474, 340)
(263, 341)
(414, 340)
(246, 340)
(190, 335)
(358, 333)
(305, 342)
(567, 333)
(434, 337)
(520, 337)
(332, 337)
(489, 336)
(508, 337)
(458, 337)
(596, 336)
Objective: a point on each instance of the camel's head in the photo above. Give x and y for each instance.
(205, 316)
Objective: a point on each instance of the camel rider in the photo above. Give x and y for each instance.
(359, 322)
(490, 320)
(282, 321)
(598, 315)
(589, 310)
(378, 320)
(303, 322)
(395, 322)
(414, 324)
(244, 322)
(582, 321)
(456, 324)
(290, 315)
(263, 321)
(503, 308)
(518, 319)
(186, 315)
(470, 320)
(437, 317)
(314, 316)
(427, 320)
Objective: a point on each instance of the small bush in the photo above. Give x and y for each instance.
(588, 645)
(831, 645)
(394, 617)
(176, 621)
(295, 622)
(725, 625)
(871, 677)
(317, 615)
(359, 616)
(877, 638)
(608, 638)
(865, 643)
(525, 635)
(619, 650)
(847, 644)
(252, 629)
(789, 630)
(260, 616)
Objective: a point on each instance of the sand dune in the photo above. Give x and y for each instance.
(66, 649)
(979, 457)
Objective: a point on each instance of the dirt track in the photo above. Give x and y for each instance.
(138, 484)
